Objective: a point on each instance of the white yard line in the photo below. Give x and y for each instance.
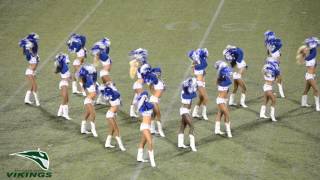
(176, 94)
(60, 45)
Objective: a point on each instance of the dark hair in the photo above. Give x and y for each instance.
(58, 69)
(233, 63)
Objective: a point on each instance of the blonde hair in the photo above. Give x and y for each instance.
(301, 54)
(134, 65)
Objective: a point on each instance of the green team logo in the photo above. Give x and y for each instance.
(37, 156)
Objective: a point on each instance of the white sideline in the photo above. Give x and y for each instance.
(4, 105)
(176, 96)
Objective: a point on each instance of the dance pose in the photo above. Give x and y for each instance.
(145, 108)
(199, 62)
(88, 77)
(61, 63)
(29, 45)
(111, 94)
(76, 44)
(307, 54)
(273, 45)
(189, 89)
(235, 56)
(223, 82)
(138, 57)
(270, 71)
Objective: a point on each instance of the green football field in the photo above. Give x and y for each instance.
(260, 149)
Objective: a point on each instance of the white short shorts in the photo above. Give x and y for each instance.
(276, 54)
(223, 88)
(106, 63)
(269, 78)
(154, 99)
(91, 89)
(159, 86)
(137, 85)
(220, 100)
(81, 53)
(30, 72)
(242, 64)
(198, 72)
(116, 102)
(267, 87)
(147, 113)
(110, 114)
(63, 83)
(87, 101)
(34, 60)
(236, 75)
(201, 83)
(76, 62)
(184, 110)
(311, 62)
(309, 76)
(186, 101)
(145, 126)
(104, 73)
(66, 75)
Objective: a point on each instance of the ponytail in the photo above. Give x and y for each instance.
(134, 64)
(301, 54)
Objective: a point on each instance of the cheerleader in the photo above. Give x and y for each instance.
(189, 91)
(273, 45)
(157, 87)
(138, 57)
(61, 63)
(111, 94)
(76, 44)
(29, 46)
(235, 56)
(270, 71)
(199, 62)
(223, 82)
(88, 77)
(145, 108)
(307, 54)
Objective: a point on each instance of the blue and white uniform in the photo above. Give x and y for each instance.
(111, 94)
(88, 74)
(102, 49)
(76, 44)
(235, 55)
(274, 47)
(61, 62)
(310, 60)
(224, 79)
(270, 71)
(188, 92)
(144, 106)
(29, 45)
(199, 59)
(152, 78)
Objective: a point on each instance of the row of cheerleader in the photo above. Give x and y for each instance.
(146, 102)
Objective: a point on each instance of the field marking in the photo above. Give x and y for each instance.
(62, 43)
(176, 96)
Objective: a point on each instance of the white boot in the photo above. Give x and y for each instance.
(74, 87)
(160, 130)
(133, 112)
(204, 113)
(119, 141)
(272, 114)
(217, 128)
(27, 98)
(192, 143)
(231, 100)
(93, 129)
(151, 157)
(83, 129)
(35, 95)
(140, 156)
(60, 111)
(195, 112)
(108, 142)
(65, 112)
(316, 99)
(153, 127)
(228, 130)
(281, 90)
(181, 141)
(304, 101)
(263, 112)
(243, 100)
